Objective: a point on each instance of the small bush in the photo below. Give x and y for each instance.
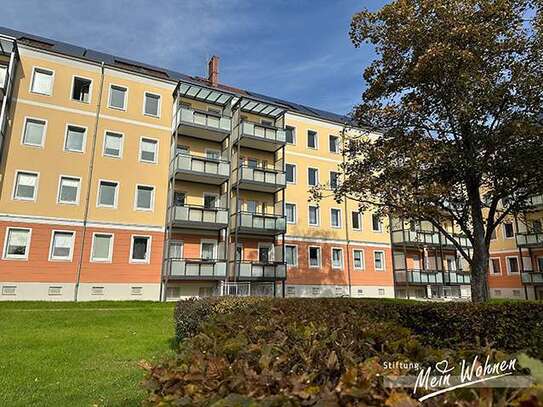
(330, 352)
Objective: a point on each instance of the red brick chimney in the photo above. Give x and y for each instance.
(213, 69)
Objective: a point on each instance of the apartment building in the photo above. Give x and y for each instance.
(121, 180)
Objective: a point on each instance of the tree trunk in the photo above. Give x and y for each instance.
(479, 269)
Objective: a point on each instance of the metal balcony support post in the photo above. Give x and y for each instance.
(405, 262)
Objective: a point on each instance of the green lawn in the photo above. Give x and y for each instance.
(79, 354)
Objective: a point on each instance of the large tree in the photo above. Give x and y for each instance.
(456, 90)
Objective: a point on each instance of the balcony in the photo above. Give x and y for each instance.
(249, 270)
(259, 136)
(258, 223)
(3, 81)
(531, 277)
(529, 239)
(199, 217)
(259, 179)
(426, 277)
(196, 269)
(203, 124)
(418, 238)
(200, 169)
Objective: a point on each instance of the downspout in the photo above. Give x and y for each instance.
(89, 183)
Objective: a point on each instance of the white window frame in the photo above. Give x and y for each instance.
(70, 256)
(26, 119)
(309, 215)
(293, 173)
(384, 261)
(156, 152)
(316, 139)
(59, 201)
(360, 218)
(339, 218)
(330, 177)
(152, 208)
(72, 89)
(33, 199)
(338, 145)
(214, 194)
(41, 68)
(362, 258)
(268, 245)
(147, 259)
(491, 267)
(309, 256)
(504, 234)
(380, 230)
(293, 135)
(295, 257)
(157, 116)
(207, 150)
(295, 213)
(215, 247)
(332, 258)
(24, 257)
(316, 176)
(111, 244)
(66, 138)
(125, 104)
(509, 272)
(116, 199)
(121, 152)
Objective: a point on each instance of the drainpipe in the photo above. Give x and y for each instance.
(89, 183)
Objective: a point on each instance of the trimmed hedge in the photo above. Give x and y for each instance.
(330, 352)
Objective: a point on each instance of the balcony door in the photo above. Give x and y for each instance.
(179, 198)
(211, 200)
(176, 249)
(416, 262)
(265, 253)
(208, 249)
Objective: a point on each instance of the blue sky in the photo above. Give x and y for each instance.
(291, 49)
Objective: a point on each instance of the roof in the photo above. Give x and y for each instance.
(158, 72)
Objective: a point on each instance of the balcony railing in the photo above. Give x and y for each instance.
(203, 124)
(195, 269)
(201, 169)
(529, 239)
(252, 270)
(531, 277)
(416, 276)
(259, 179)
(426, 238)
(259, 223)
(259, 136)
(199, 217)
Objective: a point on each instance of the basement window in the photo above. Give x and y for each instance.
(8, 290)
(55, 290)
(81, 89)
(97, 291)
(136, 290)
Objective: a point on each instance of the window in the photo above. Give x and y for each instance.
(290, 212)
(334, 179)
(61, 245)
(495, 267)
(140, 249)
(508, 230)
(315, 290)
(266, 122)
(314, 256)
(379, 260)
(54, 290)
(102, 247)
(355, 219)
(68, 190)
(75, 139)
(291, 173)
(3, 72)
(107, 193)
(376, 224)
(335, 218)
(381, 291)
(17, 243)
(211, 201)
(9, 289)
(208, 250)
(313, 215)
(498, 293)
(358, 259)
(516, 293)
(97, 291)
(536, 226)
(113, 144)
(312, 141)
(540, 264)
(213, 154)
(291, 254)
(290, 135)
(34, 132)
(117, 97)
(337, 258)
(81, 89)
(151, 105)
(148, 150)
(312, 176)
(136, 290)
(334, 144)
(512, 265)
(291, 291)
(145, 197)
(26, 184)
(42, 82)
